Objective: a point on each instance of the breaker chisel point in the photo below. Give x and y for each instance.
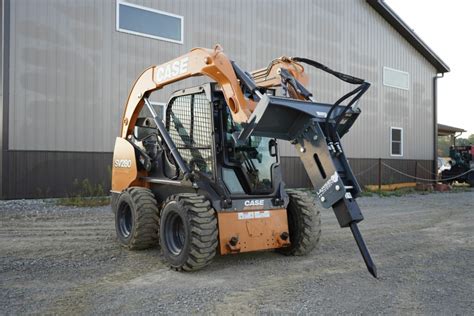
(363, 250)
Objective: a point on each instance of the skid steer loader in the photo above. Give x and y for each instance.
(205, 178)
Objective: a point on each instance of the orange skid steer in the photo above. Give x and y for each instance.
(205, 178)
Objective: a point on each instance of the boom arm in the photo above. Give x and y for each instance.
(279, 70)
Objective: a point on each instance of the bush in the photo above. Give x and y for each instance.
(87, 195)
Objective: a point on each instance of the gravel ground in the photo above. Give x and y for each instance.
(63, 260)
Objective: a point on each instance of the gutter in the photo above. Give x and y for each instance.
(456, 136)
(435, 122)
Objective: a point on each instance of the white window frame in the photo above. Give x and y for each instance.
(117, 22)
(396, 70)
(401, 141)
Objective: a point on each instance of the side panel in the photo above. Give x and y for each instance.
(252, 231)
(124, 165)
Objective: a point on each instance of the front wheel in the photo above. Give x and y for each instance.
(304, 223)
(188, 232)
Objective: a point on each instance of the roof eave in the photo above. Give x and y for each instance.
(398, 24)
(447, 129)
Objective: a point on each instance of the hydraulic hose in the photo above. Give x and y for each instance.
(358, 92)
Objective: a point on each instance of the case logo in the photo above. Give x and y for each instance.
(172, 69)
(254, 202)
(122, 163)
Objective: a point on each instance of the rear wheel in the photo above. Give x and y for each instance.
(136, 219)
(304, 223)
(188, 232)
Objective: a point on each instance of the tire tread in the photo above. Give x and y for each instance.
(204, 231)
(145, 234)
(308, 227)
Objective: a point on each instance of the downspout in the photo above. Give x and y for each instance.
(4, 20)
(5, 94)
(435, 123)
(456, 136)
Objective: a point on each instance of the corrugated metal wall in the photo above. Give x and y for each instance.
(40, 174)
(367, 171)
(71, 70)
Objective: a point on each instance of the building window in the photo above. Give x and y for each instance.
(396, 78)
(396, 141)
(138, 20)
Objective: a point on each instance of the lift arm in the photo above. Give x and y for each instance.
(274, 75)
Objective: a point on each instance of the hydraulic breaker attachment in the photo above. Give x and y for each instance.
(302, 123)
(327, 167)
(314, 129)
(333, 181)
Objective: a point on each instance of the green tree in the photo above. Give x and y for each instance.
(471, 139)
(443, 146)
(462, 142)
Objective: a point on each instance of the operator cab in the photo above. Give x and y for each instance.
(247, 167)
(201, 126)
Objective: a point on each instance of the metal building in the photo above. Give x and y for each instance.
(67, 67)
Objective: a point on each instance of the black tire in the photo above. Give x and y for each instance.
(304, 223)
(114, 197)
(136, 219)
(188, 232)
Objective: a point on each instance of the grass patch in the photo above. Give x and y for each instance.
(367, 193)
(84, 201)
(407, 191)
(87, 195)
(457, 189)
(397, 192)
(404, 191)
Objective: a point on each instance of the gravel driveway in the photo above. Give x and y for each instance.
(65, 260)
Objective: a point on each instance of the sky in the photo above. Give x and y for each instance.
(448, 29)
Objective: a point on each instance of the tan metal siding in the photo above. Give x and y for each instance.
(71, 71)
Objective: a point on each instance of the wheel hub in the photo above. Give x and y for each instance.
(125, 220)
(174, 234)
